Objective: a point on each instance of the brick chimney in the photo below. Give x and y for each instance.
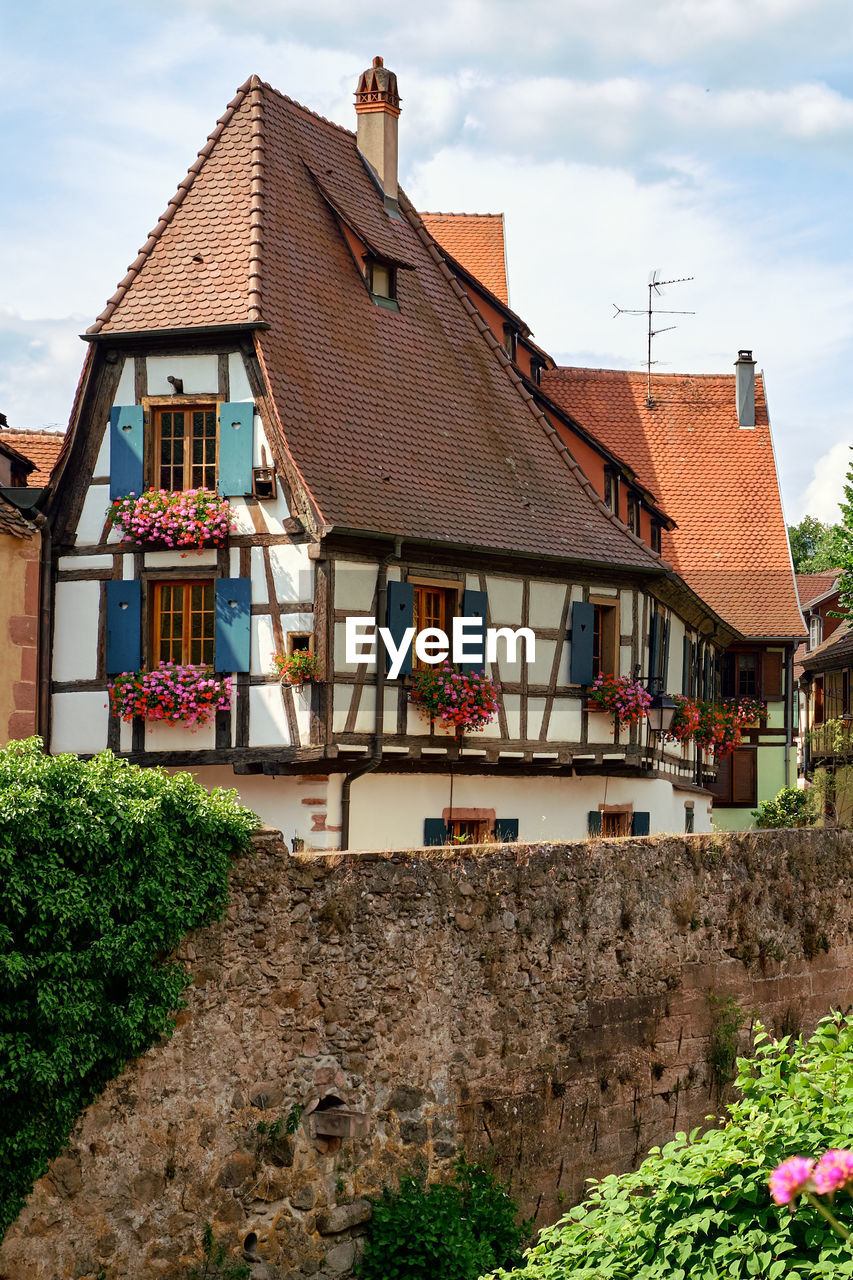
(377, 105)
(745, 389)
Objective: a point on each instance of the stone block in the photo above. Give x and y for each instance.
(343, 1217)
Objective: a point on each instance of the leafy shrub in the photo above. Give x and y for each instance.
(791, 808)
(700, 1208)
(454, 1230)
(105, 867)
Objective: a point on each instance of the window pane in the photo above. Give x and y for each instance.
(170, 620)
(171, 449)
(204, 449)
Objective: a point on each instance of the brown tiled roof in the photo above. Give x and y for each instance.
(404, 423)
(717, 480)
(812, 586)
(836, 651)
(39, 447)
(12, 522)
(476, 240)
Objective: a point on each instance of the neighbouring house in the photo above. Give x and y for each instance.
(702, 445)
(824, 665)
(293, 338)
(26, 460)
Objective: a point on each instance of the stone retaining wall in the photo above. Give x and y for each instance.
(547, 1005)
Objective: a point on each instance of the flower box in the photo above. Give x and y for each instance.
(170, 693)
(297, 667)
(188, 518)
(625, 699)
(457, 701)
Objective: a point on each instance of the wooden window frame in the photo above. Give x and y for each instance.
(449, 591)
(632, 514)
(152, 407)
(292, 647)
(605, 637)
(655, 536)
(389, 299)
(154, 594)
(611, 483)
(619, 817)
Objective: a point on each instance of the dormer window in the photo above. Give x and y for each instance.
(815, 630)
(634, 513)
(510, 341)
(655, 537)
(381, 280)
(611, 490)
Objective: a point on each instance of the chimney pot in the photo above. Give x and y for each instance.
(745, 388)
(377, 105)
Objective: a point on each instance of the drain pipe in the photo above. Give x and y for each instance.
(375, 757)
(45, 628)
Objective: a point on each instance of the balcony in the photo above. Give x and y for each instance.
(833, 739)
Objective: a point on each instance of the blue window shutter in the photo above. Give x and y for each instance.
(685, 666)
(435, 832)
(506, 829)
(236, 449)
(124, 626)
(127, 440)
(655, 645)
(475, 604)
(233, 624)
(593, 822)
(707, 691)
(400, 608)
(640, 824)
(583, 621)
(665, 668)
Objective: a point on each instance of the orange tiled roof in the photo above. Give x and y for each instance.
(40, 447)
(476, 241)
(717, 480)
(812, 586)
(403, 423)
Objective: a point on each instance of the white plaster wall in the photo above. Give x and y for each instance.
(126, 390)
(263, 645)
(672, 683)
(205, 558)
(200, 375)
(600, 727)
(355, 584)
(75, 631)
(293, 573)
(79, 722)
(388, 811)
(92, 517)
(276, 800)
(505, 597)
(565, 722)
(161, 736)
(242, 520)
(546, 603)
(267, 718)
(341, 706)
(259, 576)
(91, 562)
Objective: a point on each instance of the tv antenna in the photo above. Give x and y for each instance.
(656, 290)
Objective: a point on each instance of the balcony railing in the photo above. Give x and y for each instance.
(834, 738)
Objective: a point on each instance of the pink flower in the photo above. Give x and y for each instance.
(834, 1169)
(788, 1179)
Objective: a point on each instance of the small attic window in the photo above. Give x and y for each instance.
(382, 283)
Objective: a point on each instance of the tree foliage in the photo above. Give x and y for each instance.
(700, 1208)
(815, 546)
(845, 559)
(454, 1230)
(105, 867)
(790, 808)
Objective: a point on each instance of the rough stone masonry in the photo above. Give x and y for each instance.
(357, 1015)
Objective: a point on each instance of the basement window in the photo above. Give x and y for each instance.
(382, 282)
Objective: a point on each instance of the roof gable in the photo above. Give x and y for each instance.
(476, 241)
(39, 448)
(717, 480)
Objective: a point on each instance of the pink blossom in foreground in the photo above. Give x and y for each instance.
(789, 1178)
(834, 1169)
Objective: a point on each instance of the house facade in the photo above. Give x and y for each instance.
(292, 338)
(824, 668)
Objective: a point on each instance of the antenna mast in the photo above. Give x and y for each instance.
(656, 290)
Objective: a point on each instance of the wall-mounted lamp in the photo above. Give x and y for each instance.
(659, 714)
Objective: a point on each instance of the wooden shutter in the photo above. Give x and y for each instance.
(665, 668)
(233, 645)
(583, 624)
(722, 788)
(400, 609)
(593, 822)
(685, 666)
(771, 675)
(506, 829)
(236, 449)
(124, 626)
(475, 604)
(435, 832)
(127, 442)
(655, 645)
(743, 777)
(640, 823)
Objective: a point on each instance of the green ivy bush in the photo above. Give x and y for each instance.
(454, 1230)
(790, 808)
(700, 1208)
(105, 867)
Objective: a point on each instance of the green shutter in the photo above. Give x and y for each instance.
(124, 626)
(593, 822)
(583, 621)
(506, 829)
(655, 646)
(640, 823)
(435, 832)
(127, 448)
(475, 604)
(233, 624)
(665, 671)
(685, 666)
(236, 449)
(400, 611)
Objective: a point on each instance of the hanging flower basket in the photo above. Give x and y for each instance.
(170, 693)
(685, 720)
(189, 518)
(626, 700)
(297, 667)
(465, 701)
(720, 727)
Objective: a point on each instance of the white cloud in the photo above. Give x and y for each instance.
(826, 489)
(39, 367)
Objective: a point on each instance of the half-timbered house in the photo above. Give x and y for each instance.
(292, 337)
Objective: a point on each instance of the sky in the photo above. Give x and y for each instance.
(711, 139)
